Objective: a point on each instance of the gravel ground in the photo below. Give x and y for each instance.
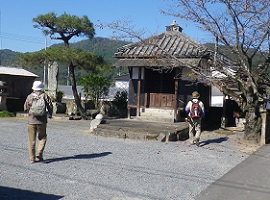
(82, 166)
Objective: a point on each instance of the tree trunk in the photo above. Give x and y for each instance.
(253, 123)
(75, 92)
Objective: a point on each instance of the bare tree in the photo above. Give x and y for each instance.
(243, 28)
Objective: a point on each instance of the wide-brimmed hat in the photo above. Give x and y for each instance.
(195, 95)
(37, 85)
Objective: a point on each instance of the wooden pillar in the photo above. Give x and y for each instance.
(223, 120)
(176, 81)
(129, 113)
(139, 92)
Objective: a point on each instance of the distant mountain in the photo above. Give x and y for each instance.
(229, 54)
(104, 47)
(8, 58)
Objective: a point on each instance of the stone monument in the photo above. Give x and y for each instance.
(53, 70)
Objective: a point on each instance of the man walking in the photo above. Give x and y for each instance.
(195, 111)
(37, 105)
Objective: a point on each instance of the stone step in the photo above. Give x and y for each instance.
(155, 118)
(142, 130)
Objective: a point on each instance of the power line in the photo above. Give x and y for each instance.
(23, 38)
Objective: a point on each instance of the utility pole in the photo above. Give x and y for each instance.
(68, 76)
(44, 69)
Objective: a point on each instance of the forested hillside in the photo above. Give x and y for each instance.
(101, 46)
(8, 58)
(229, 54)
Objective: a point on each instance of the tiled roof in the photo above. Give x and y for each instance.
(172, 43)
(16, 71)
(148, 62)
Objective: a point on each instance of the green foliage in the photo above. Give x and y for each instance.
(79, 58)
(6, 114)
(120, 100)
(65, 26)
(95, 87)
(32, 59)
(59, 95)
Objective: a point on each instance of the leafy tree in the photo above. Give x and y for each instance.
(95, 87)
(79, 58)
(64, 28)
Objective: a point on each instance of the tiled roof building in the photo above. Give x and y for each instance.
(161, 71)
(171, 44)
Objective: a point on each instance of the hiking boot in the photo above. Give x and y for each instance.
(40, 158)
(32, 161)
(197, 143)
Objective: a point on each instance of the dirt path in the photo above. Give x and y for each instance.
(233, 135)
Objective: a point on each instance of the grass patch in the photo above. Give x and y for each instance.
(6, 114)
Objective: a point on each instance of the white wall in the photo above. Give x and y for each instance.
(216, 97)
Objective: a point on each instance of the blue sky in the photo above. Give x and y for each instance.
(18, 33)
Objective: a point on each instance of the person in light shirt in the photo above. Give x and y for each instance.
(195, 112)
(37, 124)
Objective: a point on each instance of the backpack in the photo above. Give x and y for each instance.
(196, 110)
(38, 107)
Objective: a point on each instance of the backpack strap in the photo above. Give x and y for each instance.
(192, 102)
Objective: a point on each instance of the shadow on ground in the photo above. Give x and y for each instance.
(80, 156)
(7, 193)
(216, 140)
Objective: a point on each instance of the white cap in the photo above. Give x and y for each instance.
(37, 85)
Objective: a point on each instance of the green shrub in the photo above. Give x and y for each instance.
(95, 87)
(6, 114)
(120, 99)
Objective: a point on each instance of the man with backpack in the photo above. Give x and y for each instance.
(195, 111)
(37, 105)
